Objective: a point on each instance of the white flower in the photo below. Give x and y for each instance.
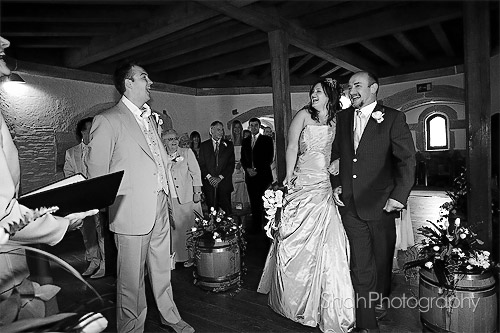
(457, 222)
(463, 236)
(178, 159)
(4, 236)
(218, 220)
(486, 253)
(378, 116)
(193, 229)
(218, 240)
(436, 248)
(469, 267)
(443, 212)
(428, 265)
(92, 323)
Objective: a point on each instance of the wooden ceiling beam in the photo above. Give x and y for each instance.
(409, 46)
(389, 21)
(301, 63)
(60, 31)
(442, 39)
(315, 68)
(298, 36)
(161, 42)
(168, 20)
(224, 64)
(381, 52)
(328, 72)
(214, 51)
(51, 43)
(217, 34)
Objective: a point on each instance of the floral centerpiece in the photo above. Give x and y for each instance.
(216, 227)
(450, 249)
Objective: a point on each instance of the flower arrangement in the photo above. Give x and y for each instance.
(215, 226)
(378, 116)
(177, 158)
(450, 249)
(273, 203)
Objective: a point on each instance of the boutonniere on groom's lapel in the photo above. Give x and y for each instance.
(378, 116)
(223, 143)
(158, 120)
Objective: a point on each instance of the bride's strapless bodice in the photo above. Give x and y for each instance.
(315, 146)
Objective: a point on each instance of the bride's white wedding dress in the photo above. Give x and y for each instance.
(307, 270)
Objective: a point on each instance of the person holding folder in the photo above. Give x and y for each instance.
(126, 137)
(41, 228)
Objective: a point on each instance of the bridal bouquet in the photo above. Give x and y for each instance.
(273, 203)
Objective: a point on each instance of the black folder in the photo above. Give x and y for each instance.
(81, 196)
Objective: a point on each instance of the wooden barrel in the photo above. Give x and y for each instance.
(218, 266)
(471, 308)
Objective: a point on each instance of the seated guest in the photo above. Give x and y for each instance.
(195, 140)
(91, 230)
(217, 166)
(184, 180)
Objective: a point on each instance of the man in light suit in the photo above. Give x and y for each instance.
(91, 229)
(257, 153)
(377, 172)
(126, 137)
(217, 166)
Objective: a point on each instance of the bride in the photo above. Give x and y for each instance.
(307, 269)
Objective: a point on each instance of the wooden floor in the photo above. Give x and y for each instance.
(234, 311)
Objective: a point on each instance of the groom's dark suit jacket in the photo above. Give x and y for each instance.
(383, 166)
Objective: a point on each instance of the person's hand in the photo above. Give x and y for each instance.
(334, 167)
(336, 196)
(393, 206)
(251, 172)
(76, 219)
(196, 197)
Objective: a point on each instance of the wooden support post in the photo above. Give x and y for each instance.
(478, 115)
(278, 44)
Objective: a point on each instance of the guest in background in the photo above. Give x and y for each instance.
(195, 141)
(217, 166)
(246, 133)
(126, 137)
(92, 229)
(269, 132)
(184, 180)
(239, 197)
(256, 157)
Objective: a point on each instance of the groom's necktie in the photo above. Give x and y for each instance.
(358, 128)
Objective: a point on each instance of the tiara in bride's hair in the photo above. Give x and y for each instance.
(331, 82)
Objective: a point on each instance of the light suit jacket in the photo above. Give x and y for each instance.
(73, 163)
(118, 143)
(186, 174)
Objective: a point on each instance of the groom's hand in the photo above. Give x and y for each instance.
(393, 206)
(336, 196)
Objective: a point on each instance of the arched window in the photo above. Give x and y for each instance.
(436, 130)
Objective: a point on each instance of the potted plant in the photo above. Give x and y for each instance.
(218, 244)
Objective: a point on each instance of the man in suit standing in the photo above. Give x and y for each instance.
(93, 239)
(126, 137)
(377, 172)
(217, 166)
(257, 154)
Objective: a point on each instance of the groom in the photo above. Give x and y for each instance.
(377, 169)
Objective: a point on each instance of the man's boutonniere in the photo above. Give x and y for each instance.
(158, 120)
(378, 116)
(224, 143)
